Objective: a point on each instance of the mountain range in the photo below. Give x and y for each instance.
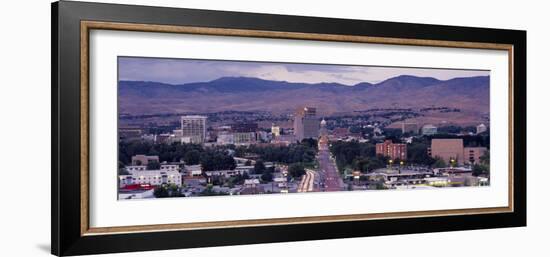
(253, 94)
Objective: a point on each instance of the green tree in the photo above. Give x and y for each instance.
(368, 164)
(171, 190)
(161, 192)
(216, 159)
(480, 169)
(417, 153)
(309, 142)
(485, 159)
(439, 163)
(239, 179)
(267, 176)
(153, 165)
(192, 157)
(296, 170)
(259, 167)
(123, 171)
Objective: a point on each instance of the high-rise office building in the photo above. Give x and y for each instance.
(275, 130)
(193, 129)
(306, 123)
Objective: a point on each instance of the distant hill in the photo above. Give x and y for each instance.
(254, 94)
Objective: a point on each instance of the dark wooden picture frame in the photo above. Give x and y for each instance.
(71, 23)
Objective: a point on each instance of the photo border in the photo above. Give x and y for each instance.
(87, 26)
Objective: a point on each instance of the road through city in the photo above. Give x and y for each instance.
(330, 177)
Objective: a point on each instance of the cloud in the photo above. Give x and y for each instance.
(180, 71)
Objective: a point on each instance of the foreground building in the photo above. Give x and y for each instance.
(394, 151)
(150, 177)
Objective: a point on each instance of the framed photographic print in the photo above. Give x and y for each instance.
(178, 128)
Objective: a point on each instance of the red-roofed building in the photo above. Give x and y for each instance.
(394, 151)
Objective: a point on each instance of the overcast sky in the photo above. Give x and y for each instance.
(181, 71)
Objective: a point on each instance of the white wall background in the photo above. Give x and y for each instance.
(25, 127)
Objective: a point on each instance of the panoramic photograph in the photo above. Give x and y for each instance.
(194, 127)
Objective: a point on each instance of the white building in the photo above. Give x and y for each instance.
(169, 167)
(437, 181)
(132, 168)
(481, 128)
(223, 173)
(192, 170)
(225, 138)
(243, 168)
(151, 177)
(244, 138)
(429, 130)
(241, 161)
(263, 136)
(193, 129)
(149, 137)
(275, 130)
(163, 167)
(377, 131)
(251, 182)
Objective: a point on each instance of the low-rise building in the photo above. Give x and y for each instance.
(192, 170)
(448, 149)
(223, 173)
(129, 134)
(225, 138)
(244, 138)
(411, 128)
(150, 177)
(141, 159)
(132, 168)
(244, 169)
(452, 150)
(284, 140)
(481, 128)
(392, 150)
(437, 181)
(170, 167)
(251, 182)
(473, 154)
(429, 129)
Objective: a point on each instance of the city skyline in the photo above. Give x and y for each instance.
(183, 71)
(254, 132)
